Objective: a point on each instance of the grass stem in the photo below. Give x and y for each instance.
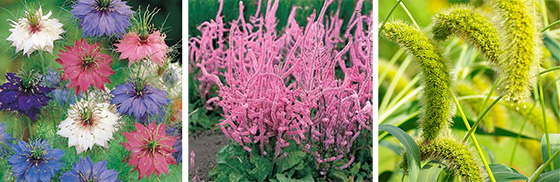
(479, 119)
(536, 174)
(389, 15)
(541, 99)
(477, 146)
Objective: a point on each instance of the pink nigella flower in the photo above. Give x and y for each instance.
(84, 66)
(150, 149)
(135, 47)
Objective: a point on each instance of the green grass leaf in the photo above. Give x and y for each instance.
(430, 172)
(553, 46)
(554, 146)
(412, 151)
(504, 173)
(552, 176)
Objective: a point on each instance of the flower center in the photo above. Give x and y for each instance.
(85, 178)
(152, 145)
(140, 86)
(103, 5)
(87, 61)
(86, 116)
(34, 18)
(36, 155)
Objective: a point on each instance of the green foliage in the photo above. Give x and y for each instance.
(437, 91)
(504, 173)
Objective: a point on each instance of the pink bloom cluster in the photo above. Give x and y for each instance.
(278, 88)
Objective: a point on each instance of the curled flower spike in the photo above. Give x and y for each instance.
(521, 41)
(458, 158)
(35, 32)
(437, 108)
(469, 24)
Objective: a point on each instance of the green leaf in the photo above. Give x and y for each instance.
(552, 176)
(412, 151)
(393, 146)
(293, 159)
(430, 172)
(553, 46)
(459, 124)
(284, 178)
(263, 167)
(504, 173)
(554, 146)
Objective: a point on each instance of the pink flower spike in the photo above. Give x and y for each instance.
(135, 48)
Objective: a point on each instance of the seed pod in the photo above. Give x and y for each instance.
(436, 110)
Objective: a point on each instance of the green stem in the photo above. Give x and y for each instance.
(479, 119)
(389, 15)
(541, 98)
(409, 15)
(550, 26)
(54, 121)
(30, 128)
(477, 146)
(536, 174)
(549, 70)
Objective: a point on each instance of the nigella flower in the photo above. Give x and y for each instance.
(150, 149)
(5, 140)
(102, 17)
(89, 123)
(136, 47)
(51, 78)
(176, 131)
(140, 100)
(25, 95)
(35, 161)
(63, 96)
(35, 32)
(84, 66)
(86, 170)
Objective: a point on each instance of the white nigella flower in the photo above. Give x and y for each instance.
(89, 123)
(35, 32)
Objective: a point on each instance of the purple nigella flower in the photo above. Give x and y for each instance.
(24, 95)
(102, 17)
(85, 170)
(176, 132)
(35, 161)
(139, 100)
(5, 139)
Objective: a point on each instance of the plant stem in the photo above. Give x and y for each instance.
(477, 146)
(30, 128)
(389, 15)
(479, 119)
(541, 98)
(549, 70)
(409, 15)
(550, 26)
(536, 174)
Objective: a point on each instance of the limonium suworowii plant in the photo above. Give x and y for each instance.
(274, 89)
(89, 123)
(35, 32)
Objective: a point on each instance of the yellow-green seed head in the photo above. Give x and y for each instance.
(471, 25)
(436, 111)
(458, 158)
(521, 45)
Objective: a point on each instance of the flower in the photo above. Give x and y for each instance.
(150, 149)
(86, 170)
(102, 17)
(5, 139)
(84, 66)
(89, 123)
(51, 78)
(136, 47)
(176, 131)
(35, 161)
(139, 99)
(35, 32)
(24, 95)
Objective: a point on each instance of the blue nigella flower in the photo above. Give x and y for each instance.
(85, 170)
(24, 95)
(62, 93)
(176, 131)
(139, 100)
(5, 140)
(102, 17)
(51, 78)
(35, 161)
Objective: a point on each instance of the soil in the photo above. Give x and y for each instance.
(205, 144)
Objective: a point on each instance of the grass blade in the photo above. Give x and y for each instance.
(430, 172)
(412, 151)
(505, 173)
